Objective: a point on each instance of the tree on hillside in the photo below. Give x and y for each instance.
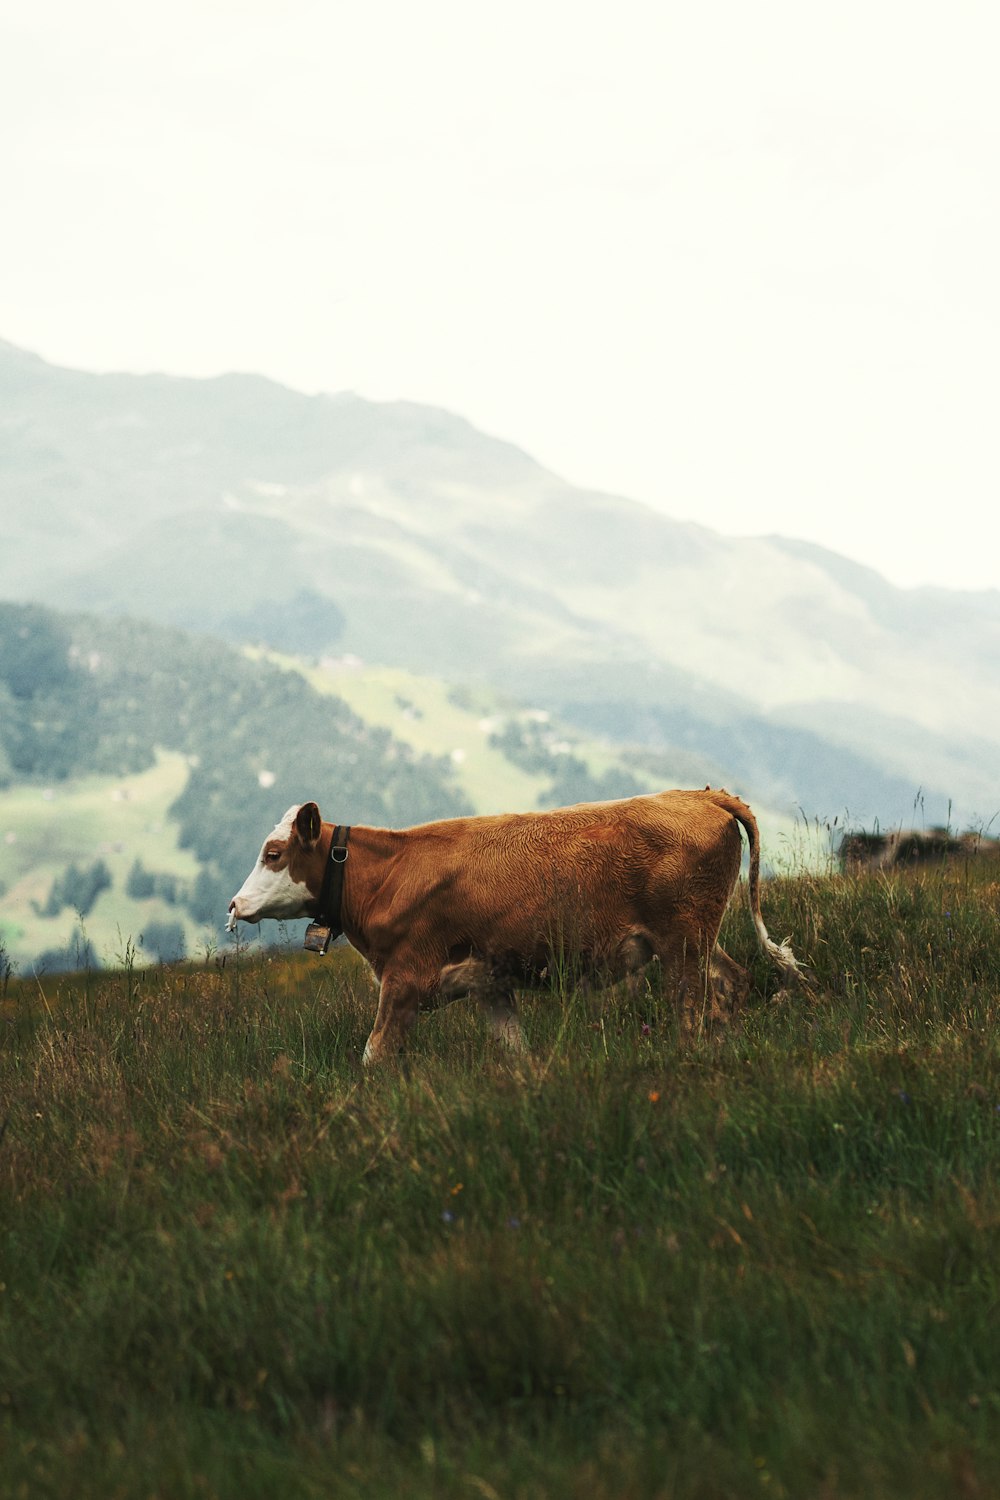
(34, 650)
(76, 955)
(77, 888)
(140, 883)
(47, 703)
(164, 941)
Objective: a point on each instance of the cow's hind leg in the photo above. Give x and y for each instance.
(624, 974)
(634, 953)
(730, 985)
(506, 1023)
(495, 995)
(691, 974)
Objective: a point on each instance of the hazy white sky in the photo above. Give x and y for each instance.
(735, 259)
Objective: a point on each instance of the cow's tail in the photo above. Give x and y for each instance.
(779, 953)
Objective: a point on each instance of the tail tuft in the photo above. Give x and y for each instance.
(780, 953)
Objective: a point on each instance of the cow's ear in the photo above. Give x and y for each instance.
(308, 823)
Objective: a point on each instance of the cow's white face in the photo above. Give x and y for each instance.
(272, 889)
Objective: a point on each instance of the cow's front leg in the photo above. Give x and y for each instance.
(398, 1003)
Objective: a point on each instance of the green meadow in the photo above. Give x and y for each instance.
(423, 712)
(116, 819)
(638, 1263)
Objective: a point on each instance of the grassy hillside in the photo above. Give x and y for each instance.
(639, 1264)
(471, 728)
(425, 713)
(464, 724)
(117, 819)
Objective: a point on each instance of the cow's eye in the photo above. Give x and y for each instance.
(271, 855)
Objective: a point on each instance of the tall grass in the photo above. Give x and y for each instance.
(637, 1263)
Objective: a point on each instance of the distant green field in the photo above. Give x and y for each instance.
(435, 719)
(422, 712)
(635, 1265)
(114, 818)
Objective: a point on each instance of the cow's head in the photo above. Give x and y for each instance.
(286, 880)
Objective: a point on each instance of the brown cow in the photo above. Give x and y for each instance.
(482, 905)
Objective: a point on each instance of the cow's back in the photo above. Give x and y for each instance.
(581, 875)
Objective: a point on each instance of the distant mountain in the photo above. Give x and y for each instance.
(403, 535)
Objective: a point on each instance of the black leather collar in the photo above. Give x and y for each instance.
(327, 924)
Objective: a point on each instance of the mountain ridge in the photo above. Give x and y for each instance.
(440, 549)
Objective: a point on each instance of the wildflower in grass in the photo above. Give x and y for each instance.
(447, 1217)
(513, 1222)
(903, 1096)
(647, 1030)
(457, 1189)
(653, 1096)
